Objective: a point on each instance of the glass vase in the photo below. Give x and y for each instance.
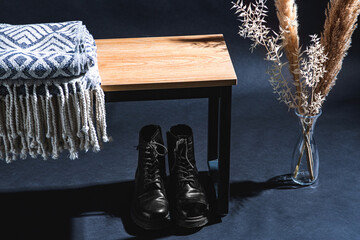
(305, 159)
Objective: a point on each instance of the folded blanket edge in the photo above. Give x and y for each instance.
(32, 124)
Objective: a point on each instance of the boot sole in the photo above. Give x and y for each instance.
(193, 222)
(150, 224)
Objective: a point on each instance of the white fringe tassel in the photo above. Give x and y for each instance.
(46, 124)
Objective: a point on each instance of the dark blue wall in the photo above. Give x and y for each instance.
(89, 198)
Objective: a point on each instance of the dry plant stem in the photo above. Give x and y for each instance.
(309, 158)
(306, 146)
(296, 171)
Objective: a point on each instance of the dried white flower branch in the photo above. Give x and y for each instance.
(311, 70)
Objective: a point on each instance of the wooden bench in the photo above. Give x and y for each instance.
(181, 67)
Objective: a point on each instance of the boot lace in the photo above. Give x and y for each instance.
(182, 164)
(151, 166)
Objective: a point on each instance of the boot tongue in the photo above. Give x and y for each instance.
(186, 142)
(156, 136)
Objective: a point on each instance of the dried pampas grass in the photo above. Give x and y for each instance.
(287, 14)
(340, 23)
(314, 70)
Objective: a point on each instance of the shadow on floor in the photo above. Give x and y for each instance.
(242, 191)
(48, 214)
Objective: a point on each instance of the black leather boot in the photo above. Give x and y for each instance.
(150, 208)
(191, 205)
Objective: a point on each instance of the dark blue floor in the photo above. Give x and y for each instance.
(89, 198)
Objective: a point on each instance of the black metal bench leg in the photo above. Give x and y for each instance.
(213, 128)
(224, 150)
(213, 141)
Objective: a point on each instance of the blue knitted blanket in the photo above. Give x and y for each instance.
(50, 95)
(43, 51)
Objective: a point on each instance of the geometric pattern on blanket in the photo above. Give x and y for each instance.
(61, 109)
(44, 51)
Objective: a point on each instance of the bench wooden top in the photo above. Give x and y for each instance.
(164, 62)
